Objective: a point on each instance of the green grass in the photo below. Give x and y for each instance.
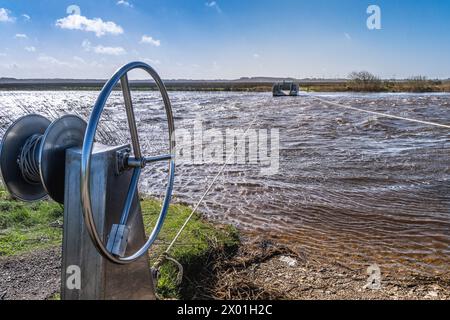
(55, 297)
(29, 226)
(197, 246)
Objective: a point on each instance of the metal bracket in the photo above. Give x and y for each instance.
(118, 240)
(121, 160)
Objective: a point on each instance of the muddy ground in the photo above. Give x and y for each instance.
(260, 270)
(263, 270)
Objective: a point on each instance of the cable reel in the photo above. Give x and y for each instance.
(32, 155)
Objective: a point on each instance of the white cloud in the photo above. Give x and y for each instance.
(26, 17)
(150, 40)
(30, 49)
(256, 56)
(151, 61)
(96, 25)
(80, 62)
(215, 5)
(52, 61)
(124, 3)
(5, 15)
(2, 54)
(21, 36)
(78, 59)
(112, 51)
(349, 37)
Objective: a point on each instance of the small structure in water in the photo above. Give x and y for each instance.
(284, 89)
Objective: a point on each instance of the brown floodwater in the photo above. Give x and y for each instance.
(352, 187)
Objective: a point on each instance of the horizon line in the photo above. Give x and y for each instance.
(260, 78)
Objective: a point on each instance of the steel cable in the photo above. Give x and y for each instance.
(27, 161)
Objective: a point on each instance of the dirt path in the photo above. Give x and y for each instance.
(33, 276)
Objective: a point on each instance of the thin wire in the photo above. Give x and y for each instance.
(207, 191)
(382, 114)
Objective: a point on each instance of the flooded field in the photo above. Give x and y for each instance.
(351, 187)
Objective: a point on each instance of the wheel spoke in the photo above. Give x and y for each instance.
(130, 196)
(164, 157)
(133, 162)
(130, 116)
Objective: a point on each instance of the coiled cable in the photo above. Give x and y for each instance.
(28, 160)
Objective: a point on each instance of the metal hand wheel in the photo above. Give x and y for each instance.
(114, 251)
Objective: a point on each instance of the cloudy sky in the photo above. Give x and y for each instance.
(226, 39)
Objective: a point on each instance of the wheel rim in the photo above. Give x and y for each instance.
(121, 75)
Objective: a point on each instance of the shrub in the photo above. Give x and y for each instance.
(364, 81)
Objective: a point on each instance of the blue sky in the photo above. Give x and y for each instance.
(226, 39)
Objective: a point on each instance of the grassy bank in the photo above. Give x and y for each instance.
(343, 85)
(26, 227)
(197, 249)
(382, 86)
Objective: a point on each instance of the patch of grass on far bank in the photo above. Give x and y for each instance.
(28, 226)
(200, 244)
